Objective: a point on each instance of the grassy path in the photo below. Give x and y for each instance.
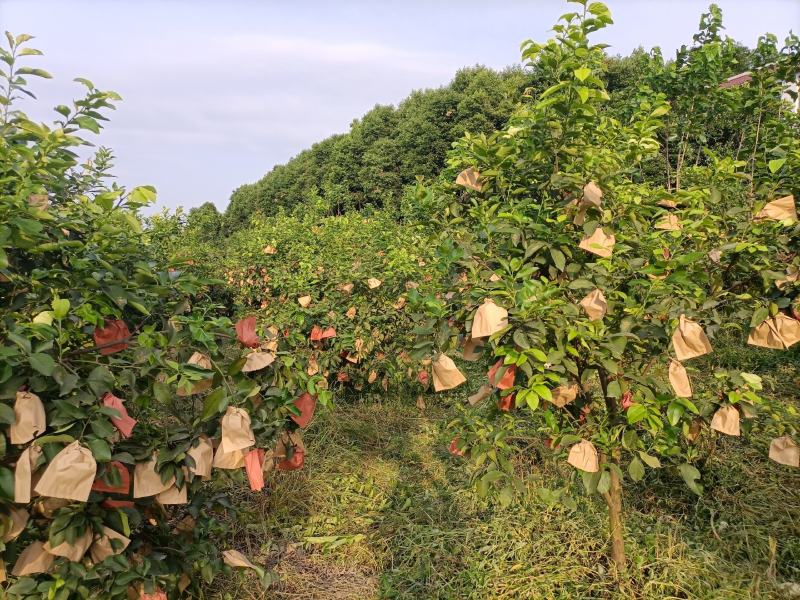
(383, 511)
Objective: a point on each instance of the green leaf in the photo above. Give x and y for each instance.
(60, 307)
(649, 460)
(505, 496)
(215, 403)
(43, 363)
(636, 469)
(559, 260)
(100, 449)
(636, 413)
(7, 415)
(7, 483)
(100, 380)
(604, 484)
(691, 476)
(582, 73)
(775, 164)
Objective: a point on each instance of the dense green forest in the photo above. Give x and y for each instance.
(528, 335)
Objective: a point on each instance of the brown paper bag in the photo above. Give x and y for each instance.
(473, 349)
(304, 301)
(270, 250)
(792, 275)
(26, 465)
(34, 559)
(69, 475)
(666, 203)
(788, 329)
(256, 361)
(470, 178)
(726, 420)
(73, 552)
(14, 523)
(669, 223)
(689, 340)
(40, 201)
(482, 394)
(174, 495)
(237, 433)
(147, 482)
(564, 394)
(446, 375)
(199, 359)
(109, 543)
(488, 319)
(592, 195)
(202, 454)
(765, 335)
(234, 558)
(779, 332)
(785, 451)
(594, 305)
(30, 419)
(346, 288)
(778, 210)
(583, 456)
(228, 460)
(373, 283)
(599, 243)
(679, 380)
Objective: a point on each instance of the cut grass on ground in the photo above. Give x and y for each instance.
(381, 510)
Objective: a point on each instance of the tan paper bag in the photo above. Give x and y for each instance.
(726, 420)
(147, 482)
(109, 543)
(564, 394)
(765, 335)
(351, 312)
(304, 301)
(482, 394)
(346, 288)
(473, 349)
(470, 178)
(689, 340)
(203, 455)
(779, 332)
(592, 197)
(446, 375)
(373, 283)
(40, 201)
(792, 275)
(679, 379)
(73, 552)
(788, 329)
(583, 456)
(594, 305)
(174, 495)
(715, 256)
(256, 361)
(30, 419)
(270, 250)
(237, 433)
(14, 523)
(778, 210)
(669, 223)
(488, 319)
(69, 475)
(599, 243)
(228, 460)
(201, 360)
(666, 203)
(785, 451)
(234, 558)
(34, 559)
(26, 465)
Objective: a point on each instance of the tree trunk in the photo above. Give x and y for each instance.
(615, 527)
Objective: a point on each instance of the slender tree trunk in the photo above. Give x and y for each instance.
(615, 526)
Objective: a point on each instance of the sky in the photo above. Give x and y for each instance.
(218, 92)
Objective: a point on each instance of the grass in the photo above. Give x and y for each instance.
(383, 511)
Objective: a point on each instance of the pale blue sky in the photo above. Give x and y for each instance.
(216, 93)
